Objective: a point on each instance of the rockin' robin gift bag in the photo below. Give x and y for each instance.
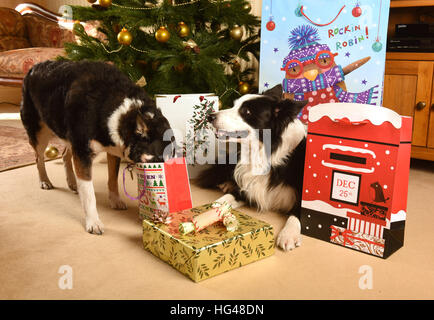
(356, 177)
(324, 51)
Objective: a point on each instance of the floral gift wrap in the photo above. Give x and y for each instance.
(211, 251)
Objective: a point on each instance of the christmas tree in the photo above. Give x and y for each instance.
(173, 46)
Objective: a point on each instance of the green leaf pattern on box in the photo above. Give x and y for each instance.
(211, 251)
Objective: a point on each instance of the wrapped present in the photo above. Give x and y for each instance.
(356, 177)
(214, 249)
(164, 187)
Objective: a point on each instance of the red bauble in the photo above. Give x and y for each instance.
(357, 11)
(270, 25)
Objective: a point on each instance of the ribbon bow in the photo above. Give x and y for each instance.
(346, 234)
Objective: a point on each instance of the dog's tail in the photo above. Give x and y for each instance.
(215, 175)
(29, 115)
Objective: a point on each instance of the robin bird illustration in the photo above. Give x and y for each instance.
(313, 75)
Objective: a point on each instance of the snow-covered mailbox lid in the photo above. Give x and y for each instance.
(356, 176)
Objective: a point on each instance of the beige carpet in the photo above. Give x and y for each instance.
(42, 230)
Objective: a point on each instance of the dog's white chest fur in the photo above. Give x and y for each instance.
(256, 186)
(279, 198)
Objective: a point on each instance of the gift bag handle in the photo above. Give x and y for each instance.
(319, 24)
(129, 167)
(347, 121)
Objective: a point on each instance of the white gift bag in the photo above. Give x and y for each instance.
(187, 115)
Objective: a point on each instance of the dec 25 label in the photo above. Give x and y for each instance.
(345, 187)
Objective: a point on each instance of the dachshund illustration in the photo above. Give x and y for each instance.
(379, 194)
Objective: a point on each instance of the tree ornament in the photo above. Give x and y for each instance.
(125, 37)
(162, 34)
(236, 33)
(270, 25)
(357, 11)
(247, 6)
(191, 45)
(377, 46)
(91, 1)
(298, 11)
(236, 67)
(51, 152)
(105, 3)
(77, 27)
(179, 68)
(183, 29)
(243, 87)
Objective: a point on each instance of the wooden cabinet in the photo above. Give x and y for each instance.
(409, 90)
(409, 79)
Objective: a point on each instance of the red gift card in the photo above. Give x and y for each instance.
(167, 187)
(356, 174)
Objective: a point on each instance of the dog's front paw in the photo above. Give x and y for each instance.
(227, 187)
(46, 185)
(116, 203)
(94, 226)
(290, 236)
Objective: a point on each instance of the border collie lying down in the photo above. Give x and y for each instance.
(278, 186)
(93, 108)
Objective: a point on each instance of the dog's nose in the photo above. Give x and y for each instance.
(212, 117)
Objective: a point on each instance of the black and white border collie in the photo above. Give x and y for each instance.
(93, 108)
(278, 186)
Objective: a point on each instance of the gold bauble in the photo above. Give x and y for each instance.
(243, 87)
(236, 33)
(105, 3)
(91, 1)
(162, 34)
(77, 27)
(125, 37)
(51, 152)
(183, 29)
(247, 6)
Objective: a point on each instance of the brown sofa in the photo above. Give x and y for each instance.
(28, 35)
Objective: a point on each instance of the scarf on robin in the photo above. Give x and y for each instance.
(328, 79)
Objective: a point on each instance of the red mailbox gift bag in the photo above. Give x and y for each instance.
(356, 177)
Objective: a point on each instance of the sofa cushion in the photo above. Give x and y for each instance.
(9, 43)
(16, 63)
(13, 33)
(44, 33)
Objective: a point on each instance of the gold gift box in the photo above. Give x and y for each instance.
(211, 251)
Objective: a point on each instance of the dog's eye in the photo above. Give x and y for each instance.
(248, 112)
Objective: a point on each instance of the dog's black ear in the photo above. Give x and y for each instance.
(290, 108)
(275, 92)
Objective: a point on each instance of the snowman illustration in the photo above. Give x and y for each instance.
(313, 75)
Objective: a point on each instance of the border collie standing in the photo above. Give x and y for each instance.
(93, 108)
(279, 187)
